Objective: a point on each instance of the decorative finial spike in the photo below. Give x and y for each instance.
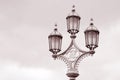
(55, 27)
(91, 21)
(73, 6)
(73, 10)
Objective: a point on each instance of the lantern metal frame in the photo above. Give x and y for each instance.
(72, 56)
(92, 32)
(73, 22)
(55, 37)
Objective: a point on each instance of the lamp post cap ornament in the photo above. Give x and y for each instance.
(55, 27)
(91, 26)
(73, 12)
(56, 32)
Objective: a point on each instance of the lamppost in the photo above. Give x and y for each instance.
(73, 54)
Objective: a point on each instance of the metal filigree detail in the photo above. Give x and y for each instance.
(72, 56)
(81, 58)
(61, 57)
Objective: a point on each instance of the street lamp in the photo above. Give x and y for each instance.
(73, 54)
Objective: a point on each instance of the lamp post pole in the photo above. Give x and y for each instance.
(73, 54)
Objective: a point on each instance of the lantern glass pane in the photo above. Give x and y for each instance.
(68, 23)
(76, 23)
(53, 43)
(90, 38)
(97, 39)
(56, 43)
(73, 24)
(60, 44)
(94, 38)
(86, 38)
(50, 45)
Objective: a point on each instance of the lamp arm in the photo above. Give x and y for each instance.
(70, 46)
(64, 59)
(82, 56)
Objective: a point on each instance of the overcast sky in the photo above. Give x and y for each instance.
(26, 24)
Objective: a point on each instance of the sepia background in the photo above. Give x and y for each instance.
(26, 24)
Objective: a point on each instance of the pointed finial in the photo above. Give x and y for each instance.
(73, 10)
(55, 27)
(73, 6)
(91, 21)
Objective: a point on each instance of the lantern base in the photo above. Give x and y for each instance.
(73, 36)
(72, 76)
(73, 31)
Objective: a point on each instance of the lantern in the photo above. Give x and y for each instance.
(73, 22)
(91, 36)
(55, 41)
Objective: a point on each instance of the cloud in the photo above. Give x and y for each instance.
(112, 70)
(25, 26)
(12, 71)
(114, 28)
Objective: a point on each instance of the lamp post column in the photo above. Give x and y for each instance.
(73, 55)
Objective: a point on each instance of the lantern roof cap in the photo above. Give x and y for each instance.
(91, 26)
(73, 12)
(56, 32)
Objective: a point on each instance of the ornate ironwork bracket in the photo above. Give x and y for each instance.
(72, 57)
